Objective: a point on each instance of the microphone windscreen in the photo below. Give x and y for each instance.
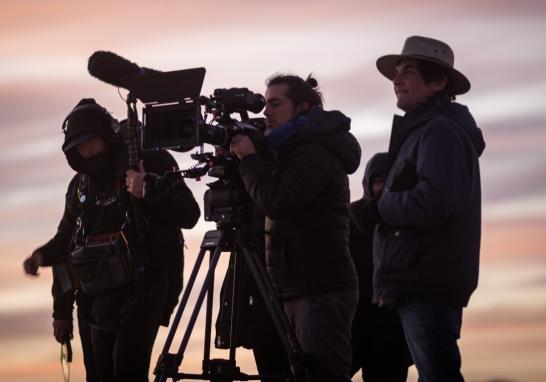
(110, 68)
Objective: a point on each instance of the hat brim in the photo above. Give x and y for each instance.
(386, 65)
(76, 140)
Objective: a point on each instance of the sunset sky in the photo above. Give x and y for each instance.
(499, 45)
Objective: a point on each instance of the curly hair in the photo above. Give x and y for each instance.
(299, 90)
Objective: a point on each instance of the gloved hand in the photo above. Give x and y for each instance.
(33, 262)
(62, 330)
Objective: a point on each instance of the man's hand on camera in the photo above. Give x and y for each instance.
(134, 180)
(241, 145)
(32, 263)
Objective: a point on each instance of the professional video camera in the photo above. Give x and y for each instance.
(178, 122)
(175, 116)
(180, 127)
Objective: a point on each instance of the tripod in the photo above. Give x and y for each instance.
(227, 238)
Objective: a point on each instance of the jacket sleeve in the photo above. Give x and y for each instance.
(363, 215)
(290, 190)
(442, 175)
(177, 207)
(63, 303)
(175, 275)
(56, 249)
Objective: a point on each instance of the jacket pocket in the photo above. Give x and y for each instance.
(395, 252)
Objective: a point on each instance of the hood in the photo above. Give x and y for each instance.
(460, 114)
(331, 129)
(86, 120)
(441, 105)
(377, 165)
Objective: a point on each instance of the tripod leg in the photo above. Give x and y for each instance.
(184, 300)
(167, 365)
(208, 319)
(236, 263)
(276, 312)
(201, 297)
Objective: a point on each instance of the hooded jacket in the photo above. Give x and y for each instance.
(162, 241)
(364, 218)
(377, 333)
(305, 198)
(427, 246)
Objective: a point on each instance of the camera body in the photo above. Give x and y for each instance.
(180, 126)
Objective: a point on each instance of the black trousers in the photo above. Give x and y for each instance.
(91, 374)
(123, 354)
(269, 354)
(322, 324)
(379, 345)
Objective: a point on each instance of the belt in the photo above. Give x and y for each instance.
(104, 237)
(389, 302)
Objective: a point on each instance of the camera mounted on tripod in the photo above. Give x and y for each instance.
(176, 117)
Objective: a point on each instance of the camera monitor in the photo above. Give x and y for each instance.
(172, 111)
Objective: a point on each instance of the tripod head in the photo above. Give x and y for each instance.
(226, 202)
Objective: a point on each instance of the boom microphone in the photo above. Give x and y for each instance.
(110, 68)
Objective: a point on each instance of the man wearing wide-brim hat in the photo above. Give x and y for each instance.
(427, 245)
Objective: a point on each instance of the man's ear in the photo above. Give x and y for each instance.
(439, 84)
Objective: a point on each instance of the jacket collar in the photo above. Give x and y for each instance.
(402, 127)
(433, 107)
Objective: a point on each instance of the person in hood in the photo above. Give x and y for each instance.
(427, 245)
(104, 201)
(305, 197)
(379, 345)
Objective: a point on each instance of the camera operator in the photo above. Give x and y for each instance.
(305, 197)
(123, 317)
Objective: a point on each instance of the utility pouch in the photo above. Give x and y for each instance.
(66, 278)
(101, 266)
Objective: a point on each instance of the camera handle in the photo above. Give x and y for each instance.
(220, 370)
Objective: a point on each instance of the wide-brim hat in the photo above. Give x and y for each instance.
(427, 49)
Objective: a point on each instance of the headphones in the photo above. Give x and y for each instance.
(90, 105)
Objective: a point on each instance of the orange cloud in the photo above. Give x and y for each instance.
(524, 238)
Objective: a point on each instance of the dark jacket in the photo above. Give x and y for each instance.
(427, 246)
(378, 340)
(364, 218)
(306, 198)
(162, 243)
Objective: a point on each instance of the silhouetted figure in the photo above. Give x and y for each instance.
(427, 246)
(122, 297)
(305, 197)
(379, 345)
